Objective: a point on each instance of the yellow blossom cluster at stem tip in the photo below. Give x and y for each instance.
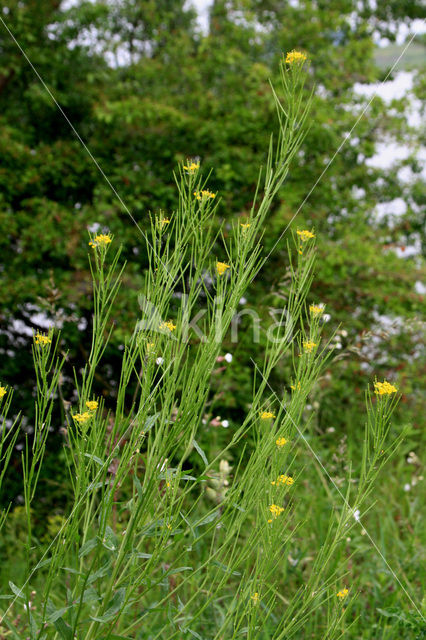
(280, 442)
(294, 387)
(167, 325)
(191, 167)
(150, 348)
(255, 597)
(283, 480)
(3, 392)
(309, 346)
(384, 388)
(42, 340)
(316, 309)
(295, 56)
(245, 225)
(343, 593)
(204, 194)
(266, 415)
(101, 240)
(276, 511)
(221, 267)
(81, 418)
(305, 235)
(162, 222)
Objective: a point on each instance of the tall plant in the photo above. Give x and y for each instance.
(140, 552)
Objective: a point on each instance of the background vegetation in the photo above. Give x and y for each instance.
(145, 89)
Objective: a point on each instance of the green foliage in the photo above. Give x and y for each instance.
(156, 533)
(146, 90)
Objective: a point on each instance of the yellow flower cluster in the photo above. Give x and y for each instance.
(167, 325)
(305, 235)
(42, 340)
(266, 415)
(101, 240)
(245, 225)
(204, 194)
(255, 597)
(221, 267)
(150, 348)
(343, 593)
(309, 346)
(316, 310)
(162, 222)
(3, 392)
(280, 442)
(81, 418)
(384, 388)
(276, 511)
(191, 167)
(283, 480)
(294, 387)
(295, 56)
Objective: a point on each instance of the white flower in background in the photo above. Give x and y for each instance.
(159, 361)
(225, 423)
(243, 300)
(357, 513)
(228, 357)
(407, 487)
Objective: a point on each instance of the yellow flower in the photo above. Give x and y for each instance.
(81, 418)
(92, 405)
(309, 346)
(266, 415)
(316, 309)
(150, 348)
(384, 388)
(167, 325)
(294, 387)
(42, 340)
(204, 194)
(2, 392)
(295, 56)
(221, 267)
(101, 240)
(305, 235)
(255, 597)
(283, 480)
(275, 510)
(191, 167)
(162, 222)
(280, 442)
(343, 593)
(245, 225)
